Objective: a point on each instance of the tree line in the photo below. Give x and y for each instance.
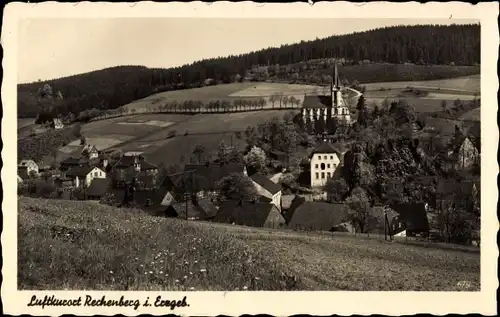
(114, 87)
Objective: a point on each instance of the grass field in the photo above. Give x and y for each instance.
(85, 245)
(204, 129)
(463, 88)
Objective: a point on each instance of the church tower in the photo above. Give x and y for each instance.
(339, 110)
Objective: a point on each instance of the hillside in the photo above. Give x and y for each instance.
(85, 245)
(113, 87)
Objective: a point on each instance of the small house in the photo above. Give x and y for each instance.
(251, 214)
(411, 220)
(90, 152)
(98, 188)
(131, 168)
(25, 168)
(72, 162)
(315, 216)
(56, 123)
(83, 176)
(265, 187)
(191, 209)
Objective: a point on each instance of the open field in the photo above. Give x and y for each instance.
(463, 88)
(85, 245)
(470, 84)
(205, 129)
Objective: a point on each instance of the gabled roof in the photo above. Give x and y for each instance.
(414, 216)
(198, 208)
(206, 176)
(80, 171)
(317, 101)
(245, 214)
(317, 216)
(75, 161)
(98, 187)
(326, 147)
(266, 183)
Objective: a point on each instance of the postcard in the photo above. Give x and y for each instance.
(242, 158)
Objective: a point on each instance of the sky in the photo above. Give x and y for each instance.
(51, 48)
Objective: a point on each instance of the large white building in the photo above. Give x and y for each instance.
(319, 111)
(325, 159)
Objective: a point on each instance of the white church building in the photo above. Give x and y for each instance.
(318, 111)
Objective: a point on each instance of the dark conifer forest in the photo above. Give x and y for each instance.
(455, 45)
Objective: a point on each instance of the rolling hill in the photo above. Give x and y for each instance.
(85, 245)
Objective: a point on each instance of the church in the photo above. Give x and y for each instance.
(322, 113)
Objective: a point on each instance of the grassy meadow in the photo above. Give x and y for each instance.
(72, 245)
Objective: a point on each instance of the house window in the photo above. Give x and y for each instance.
(317, 175)
(96, 174)
(334, 165)
(319, 157)
(322, 166)
(322, 175)
(329, 175)
(328, 165)
(316, 166)
(326, 157)
(331, 157)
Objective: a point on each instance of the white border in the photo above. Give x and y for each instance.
(273, 303)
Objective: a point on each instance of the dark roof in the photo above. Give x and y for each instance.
(317, 216)
(80, 171)
(98, 187)
(198, 209)
(266, 183)
(74, 161)
(414, 216)
(246, 213)
(326, 147)
(206, 176)
(317, 101)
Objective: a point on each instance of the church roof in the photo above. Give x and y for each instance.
(317, 101)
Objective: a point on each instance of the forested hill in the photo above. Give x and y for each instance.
(114, 87)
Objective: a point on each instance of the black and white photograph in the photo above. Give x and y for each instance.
(294, 154)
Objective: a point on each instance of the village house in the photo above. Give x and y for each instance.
(411, 220)
(190, 209)
(265, 187)
(72, 162)
(56, 123)
(134, 168)
(251, 214)
(463, 150)
(25, 168)
(83, 176)
(324, 160)
(98, 188)
(90, 152)
(315, 216)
